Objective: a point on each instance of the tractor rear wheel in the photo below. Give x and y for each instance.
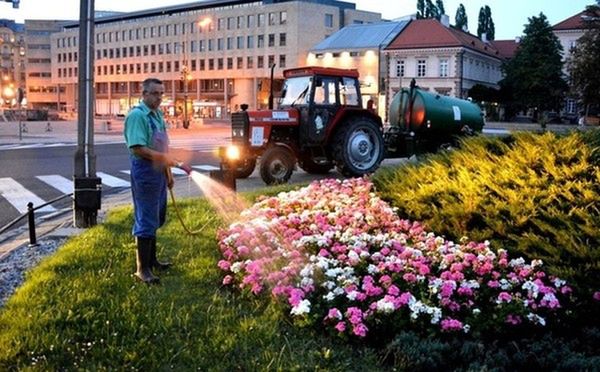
(246, 168)
(358, 147)
(276, 165)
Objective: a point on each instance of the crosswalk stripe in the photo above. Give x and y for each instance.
(205, 167)
(19, 196)
(112, 181)
(60, 183)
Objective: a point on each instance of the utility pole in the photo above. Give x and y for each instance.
(87, 192)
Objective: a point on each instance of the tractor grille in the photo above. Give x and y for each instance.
(239, 127)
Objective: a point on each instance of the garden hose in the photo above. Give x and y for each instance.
(177, 211)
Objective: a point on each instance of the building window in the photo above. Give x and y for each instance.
(240, 22)
(271, 40)
(421, 68)
(221, 24)
(211, 64)
(250, 21)
(282, 61)
(229, 43)
(272, 19)
(193, 65)
(220, 43)
(260, 43)
(202, 65)
(250, 42)
(261, 20)
(229, 63)
(443, 68)
(230, 23)
(329, 20)
(282, 17)
(400, 68)
(249, 62)
(282, 39)
(271, 61)
(260, 62)
(240, 42)
(210, 45)
(219, 63)
(240, 63)
(201, 45)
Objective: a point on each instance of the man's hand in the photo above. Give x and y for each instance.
(184, 167)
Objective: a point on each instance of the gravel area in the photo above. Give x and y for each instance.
(15, 264)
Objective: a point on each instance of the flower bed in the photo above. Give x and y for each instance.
(339, 255)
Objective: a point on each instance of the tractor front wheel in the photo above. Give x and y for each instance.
(358, 147)
(276, 165)
(246, 168)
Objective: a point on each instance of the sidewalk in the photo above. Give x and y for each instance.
(67, 131)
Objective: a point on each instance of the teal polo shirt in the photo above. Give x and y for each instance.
(138, 131)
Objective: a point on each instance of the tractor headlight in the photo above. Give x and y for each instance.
(232, 153)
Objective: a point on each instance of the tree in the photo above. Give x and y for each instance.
(534, 75)
(426, 9)
(461, 21)
(585, 59)
(440, 8)
(486, 24)
(420, 9)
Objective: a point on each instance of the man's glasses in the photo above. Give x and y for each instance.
(157, 94)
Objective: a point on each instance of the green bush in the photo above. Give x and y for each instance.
(535, 195)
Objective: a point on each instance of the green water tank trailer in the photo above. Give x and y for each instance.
(424, 121)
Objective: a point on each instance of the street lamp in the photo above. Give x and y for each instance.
(185, 77)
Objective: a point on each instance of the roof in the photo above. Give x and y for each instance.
(362, 36)
(430, 33)
(572, 23)
(506, 48)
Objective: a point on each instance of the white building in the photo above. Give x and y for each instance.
(222, 48)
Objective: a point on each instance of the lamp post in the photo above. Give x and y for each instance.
(185, 77)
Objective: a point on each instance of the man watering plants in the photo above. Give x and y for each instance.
(148, 144)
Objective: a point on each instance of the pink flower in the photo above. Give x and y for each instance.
(450, 324)
(334, 314)
(596, 296)
(504, 297)
(513, 319)
(224, 265)
(340, 327)
(359, 329)
(227, 280)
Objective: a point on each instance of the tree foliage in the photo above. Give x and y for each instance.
(427, 9)
(534, 76)
(486, 23)
(461, 21)
(585, 59)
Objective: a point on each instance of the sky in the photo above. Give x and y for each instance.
(509, 16)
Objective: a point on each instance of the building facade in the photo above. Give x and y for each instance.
(12, 63)
(441, 59)
(212, 55)
(41, 92)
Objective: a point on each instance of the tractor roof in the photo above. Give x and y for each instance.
(313, 70)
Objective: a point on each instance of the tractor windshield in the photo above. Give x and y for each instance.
(296, 91)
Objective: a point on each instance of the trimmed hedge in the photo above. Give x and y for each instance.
(536, 195)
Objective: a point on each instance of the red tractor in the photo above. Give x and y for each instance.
(321, 124)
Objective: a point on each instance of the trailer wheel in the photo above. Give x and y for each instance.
(309, 165)
(246, 169)
(277, 165)
(358, 147)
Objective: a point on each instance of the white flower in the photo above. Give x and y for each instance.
(466, 328)
(306, 271)
(476, 311)
(536, 319)
(236, 267)
(302, 308)
(385, 306)
(351, 295)
(372, 269)
(517, 262)
(330, 296)
(306, 282)
(559, 282)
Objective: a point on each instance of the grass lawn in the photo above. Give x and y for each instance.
(82, 309)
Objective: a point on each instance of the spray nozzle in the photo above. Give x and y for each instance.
(184, 167)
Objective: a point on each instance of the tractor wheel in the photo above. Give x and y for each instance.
(277, 165)
(358, 147)
(310, 166)
(246, 168)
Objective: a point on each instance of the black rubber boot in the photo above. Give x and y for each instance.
(144, 261)
(156, 264)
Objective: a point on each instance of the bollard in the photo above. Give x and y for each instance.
(31, 220)
(48, 127)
